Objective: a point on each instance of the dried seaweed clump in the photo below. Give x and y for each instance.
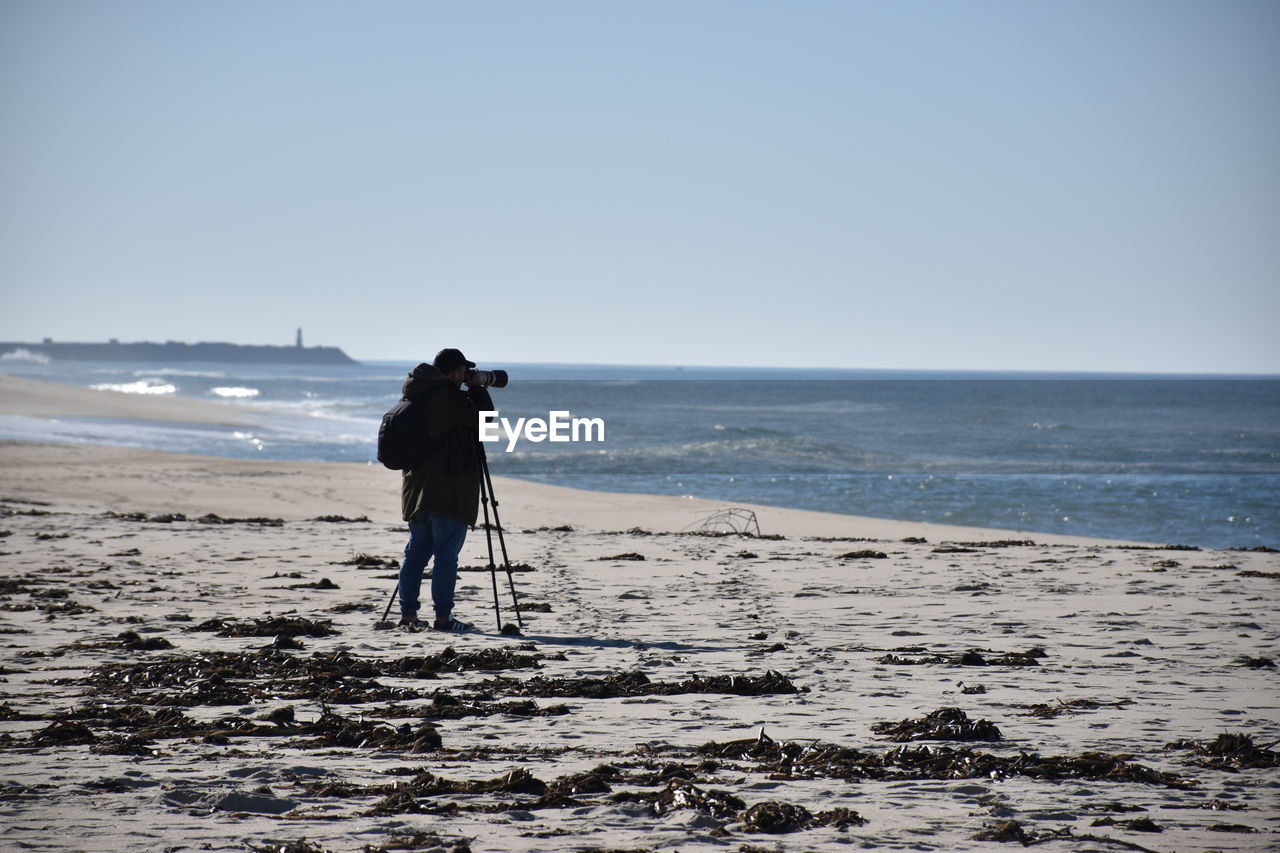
(942, 724)
(1231, 751)
(820, 760)
(775, 817)
(1011, 831)
(973, 657)
(272, 626)
(680, 794)
(631, 684)
(334, 730)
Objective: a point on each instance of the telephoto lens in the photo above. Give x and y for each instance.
(487, 378)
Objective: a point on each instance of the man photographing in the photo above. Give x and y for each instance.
(440, 495)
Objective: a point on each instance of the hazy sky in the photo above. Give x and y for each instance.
(1073, 184)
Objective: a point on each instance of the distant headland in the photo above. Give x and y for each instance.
(148, 351)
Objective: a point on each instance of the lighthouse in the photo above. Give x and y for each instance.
(299, 337)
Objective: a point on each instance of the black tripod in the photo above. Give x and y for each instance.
(486, 495)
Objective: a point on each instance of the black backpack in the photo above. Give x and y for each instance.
(402, 438)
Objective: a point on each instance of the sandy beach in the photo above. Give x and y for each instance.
(194, 659)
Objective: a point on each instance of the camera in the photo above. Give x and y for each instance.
(486, 378)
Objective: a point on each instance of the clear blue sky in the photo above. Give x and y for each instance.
(1059, 184)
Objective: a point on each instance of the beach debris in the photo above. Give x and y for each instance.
(323, 583)
(942, 724)
(240, 678)
(1072, 706)
(864, 554)
(778, 817)
(535, 607)
(407, 797)
(1230, 751)
(64, 733)
(1256, 663)
(1252, 573)
(368, 561)
(1010, 831)
(997, 543)
(272, 626)
(680, 794)
(973, 657)
(1141, 824)
(954, 549)
(731, 520)
(342, 519)
(634, 683)
(446, 706)
(822, 760)
(133, 641)
(135, 745)
(334, 730)
(421, 841)
(1004, 832)
(208, 518)
(628, 555)
(509, 567)
(213, 518)
(300, 845)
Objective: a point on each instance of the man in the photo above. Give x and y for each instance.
(440, 496)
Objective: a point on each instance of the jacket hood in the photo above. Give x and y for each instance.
(422, 378)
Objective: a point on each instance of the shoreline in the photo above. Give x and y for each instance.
(309, 488)
(89, 476)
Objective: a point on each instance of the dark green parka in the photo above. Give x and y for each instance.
(448, 480)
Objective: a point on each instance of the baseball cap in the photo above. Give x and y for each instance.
(450, 359)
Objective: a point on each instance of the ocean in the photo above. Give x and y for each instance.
(1171, 460)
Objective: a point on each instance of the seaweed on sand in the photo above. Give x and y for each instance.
(369, 561)
(240, 678)
(425, 841)
(1073, 706)
(409, 797)
(680, 794)
(942, 724)
(1010, 831)
(334, 730)
(272, 626)
(445, 706)
(1230, 751)
(632, 684)
(64, 733)
(819, 760)
(777, 817)
(973, 657)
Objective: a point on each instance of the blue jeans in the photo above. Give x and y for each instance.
(441, 537)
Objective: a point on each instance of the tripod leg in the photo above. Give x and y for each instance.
(488, 535)
(502, 542)
(394, 593)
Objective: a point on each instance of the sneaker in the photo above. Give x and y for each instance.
(454, 626)
(409, 620)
